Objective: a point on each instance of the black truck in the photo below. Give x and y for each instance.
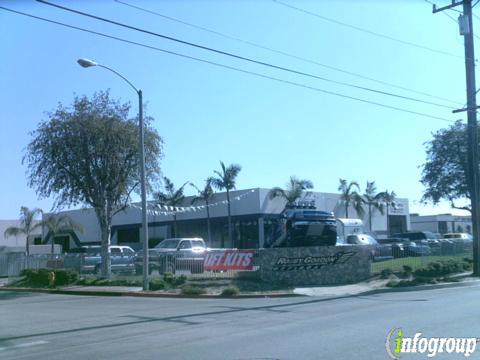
(303, 227)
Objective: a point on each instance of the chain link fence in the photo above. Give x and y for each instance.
(420, 253)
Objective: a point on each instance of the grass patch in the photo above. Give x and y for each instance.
(413, 262)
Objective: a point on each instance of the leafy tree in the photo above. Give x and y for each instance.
(28, 225)
(373, 200)
(58, 224)
(293, 191)
(89, 154)
(445, 172)
(206, 195)
(388, 198)
(171, 197)
(349, 196)
(225, 180)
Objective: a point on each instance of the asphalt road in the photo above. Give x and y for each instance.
(42, 326)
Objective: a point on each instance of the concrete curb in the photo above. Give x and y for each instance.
(144, 294)
(421, 287)
(247, 296)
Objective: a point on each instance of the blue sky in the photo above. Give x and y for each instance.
(206, 114)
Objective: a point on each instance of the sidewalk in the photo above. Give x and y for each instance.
(342, 290)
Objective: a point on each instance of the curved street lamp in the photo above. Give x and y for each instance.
(89, 63)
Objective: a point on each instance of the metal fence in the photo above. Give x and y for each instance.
(419, 254)
(12, 264)
(219, 265)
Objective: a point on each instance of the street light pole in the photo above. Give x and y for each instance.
(88, 63)
(143, 191)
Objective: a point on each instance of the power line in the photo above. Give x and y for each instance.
(451, 17)
(366, 31)
(444, 13)
(230, 37)
(230, 67)
(240, 57)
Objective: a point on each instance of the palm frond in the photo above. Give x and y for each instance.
(13, 231)
(277, 192)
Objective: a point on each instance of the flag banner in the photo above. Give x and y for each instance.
(170, 210)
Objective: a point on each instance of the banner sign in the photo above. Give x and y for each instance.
(314, 265)
(229, 260)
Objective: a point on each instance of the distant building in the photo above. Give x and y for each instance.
(18, 241)
(253, 215)
(443, 223)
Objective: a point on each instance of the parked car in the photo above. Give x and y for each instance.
(403, 247)
(426, 238)
(462, 242)
(414, 249)
(398, 245)
(175, 254)
(378, 251)
(89, 259)
(462, 236)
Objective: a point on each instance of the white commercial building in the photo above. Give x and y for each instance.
(442, 224)
(253, 215)
(18, 241)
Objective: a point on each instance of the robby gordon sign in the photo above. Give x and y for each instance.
(229, 260)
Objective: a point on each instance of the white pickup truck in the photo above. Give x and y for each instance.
(174, 254)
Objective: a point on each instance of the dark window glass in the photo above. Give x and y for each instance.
(185, 245)
(128, 235)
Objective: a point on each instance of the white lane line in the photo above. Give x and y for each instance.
(24, 345)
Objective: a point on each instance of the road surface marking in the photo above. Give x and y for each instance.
(24, 345)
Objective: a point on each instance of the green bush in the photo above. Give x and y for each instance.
(192, 290)
(43, 277)
(180, 280)
(157, 284)
(385, 273)
(441, 268)
(168, 277)
(100, 282)
(230, 291)
(65, 277)
(174, 281)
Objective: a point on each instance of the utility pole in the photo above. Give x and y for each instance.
(466, 29)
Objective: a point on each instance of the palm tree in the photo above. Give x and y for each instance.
(388, 199)
(225, 179)
(205, 195)
(171, 197)
(293, 192)
(373, 200)
(27, 224)
(350, 196)
(58, 224)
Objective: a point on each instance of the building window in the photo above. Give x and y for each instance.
(442, 227)
(128, 235)
(37, 241)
